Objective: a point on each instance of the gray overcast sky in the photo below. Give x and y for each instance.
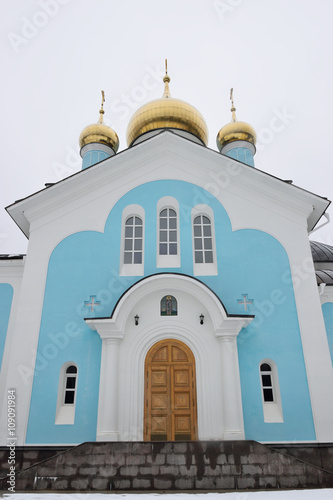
(58, 54)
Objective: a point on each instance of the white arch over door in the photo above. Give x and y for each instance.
(125, 346)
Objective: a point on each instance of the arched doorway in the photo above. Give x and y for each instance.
(170, 393)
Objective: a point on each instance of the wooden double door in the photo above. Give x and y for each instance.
(170, 393)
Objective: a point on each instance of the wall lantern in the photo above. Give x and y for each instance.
(201, 319)
(136, 320)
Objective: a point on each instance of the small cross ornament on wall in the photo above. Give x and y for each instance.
(245, 301)
(92, 303)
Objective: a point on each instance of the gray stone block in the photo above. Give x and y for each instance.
(141, 484)
(210, 471)
(130, 470)
(79, 483)
(142, 448)
(172, 470)
(184, 483)
(180, 447)
(106, 471)
(157, 459)
(225, 483)
(116, 459)
(135, 460)
(167, 448)
(162, 484)
(60, 484)
(172, 459)
(99, 483)
(267, 482)
(185, 471)
(121, 484)
(244, 483)
(221, 459)
(152, 470)
(87, 471)
(251, 470)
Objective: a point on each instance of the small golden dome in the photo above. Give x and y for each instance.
(235, 130)
(167, 112)
(99, 132)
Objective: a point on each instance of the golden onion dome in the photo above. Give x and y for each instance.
(167, 112)
(99, 132)
(235, 130)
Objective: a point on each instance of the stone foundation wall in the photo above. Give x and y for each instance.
(26, 456)
(211, 465)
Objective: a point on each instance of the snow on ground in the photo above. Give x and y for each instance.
(324, 494)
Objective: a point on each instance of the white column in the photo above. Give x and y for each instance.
(232, 401)
(108, 407)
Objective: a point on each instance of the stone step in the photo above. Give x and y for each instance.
(195, 465)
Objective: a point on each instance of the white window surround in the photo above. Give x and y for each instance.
(131, 269)
(167, 260)
(65, 413)
(272, 409)
(204, 269)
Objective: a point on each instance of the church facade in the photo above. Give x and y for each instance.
(169, 292)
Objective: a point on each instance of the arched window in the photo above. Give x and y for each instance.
(133, 240)
(270, 390)
(67, 391)
(169, 306)
(70, 385)
(203, 244)
(203, 238)
(168, 232)
(267, 382)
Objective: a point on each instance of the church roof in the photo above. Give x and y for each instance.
(321, 252)
(69, 189)
(324, 276)
(14, 256)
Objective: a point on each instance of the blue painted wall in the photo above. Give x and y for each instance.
(6, 297)
(328, 318)
(249, 262)
(92, 157)
(242, 154)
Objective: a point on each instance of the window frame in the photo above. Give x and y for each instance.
(65, 412)
(167, 260)
(272, 410)
(204, 268)
(132, 269)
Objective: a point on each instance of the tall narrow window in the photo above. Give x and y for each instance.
(133, 241)
(67, 394)
(266, 382)
(70, 385)
(168, 232)
(272, 407)
(203, 245)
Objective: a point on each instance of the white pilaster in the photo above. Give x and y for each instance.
(232, 402)
(108, 401)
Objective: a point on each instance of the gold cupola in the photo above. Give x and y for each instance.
(235, 130)
(167, 112)
(99, 133)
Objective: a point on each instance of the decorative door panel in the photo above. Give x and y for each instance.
(170, 393)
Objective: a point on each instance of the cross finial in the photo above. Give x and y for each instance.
(103, 101)
(233, 109)
(166, 81)
(101, 111)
